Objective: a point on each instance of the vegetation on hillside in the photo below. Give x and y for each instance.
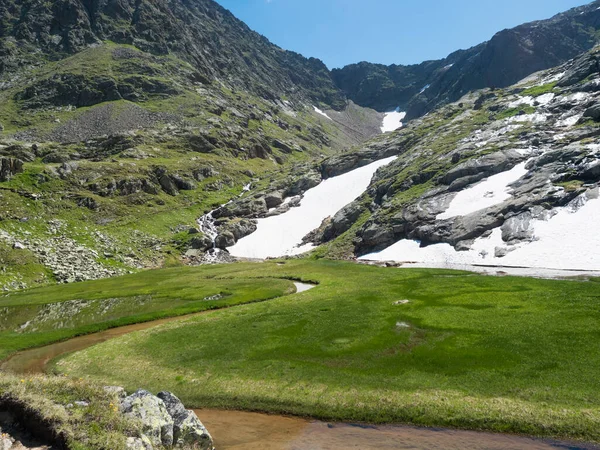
(428, 347)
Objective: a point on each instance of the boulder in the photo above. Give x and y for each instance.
(142, 443)
(593, 113)
(9, 167)
(241, 228)
(225, 239)
(518, 228)
(188, 431)
(303, 184)
(201, 243)
(55, 158)
(166, 182)
(157, 423)
(183, 183)
(274, 199)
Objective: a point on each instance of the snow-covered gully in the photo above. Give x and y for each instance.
(282, 235)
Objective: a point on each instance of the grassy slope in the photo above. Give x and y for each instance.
(154, 217)
(97, 426)
(119, 301)
(504, 354)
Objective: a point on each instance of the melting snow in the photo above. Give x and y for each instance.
(534, 118)
(392, 121)
(567, 241)
(281, 235)
(427, 86)
(318, 111)
(521, 101)
(544, 99)
(488, 193)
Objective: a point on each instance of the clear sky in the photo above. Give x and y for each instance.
(342, 32)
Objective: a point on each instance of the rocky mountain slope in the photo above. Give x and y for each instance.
(109, 152)
(117, 135)
(540, 137)
(200, 32)
(507, 58)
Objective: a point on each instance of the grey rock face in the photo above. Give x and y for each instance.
(188, 430)
(9, 167)
(157, 424)
(225, 239)
(518, 228)
(274, 199)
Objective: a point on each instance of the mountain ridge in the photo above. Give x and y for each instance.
(509, 56)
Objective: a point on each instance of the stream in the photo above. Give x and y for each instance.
(236, 430)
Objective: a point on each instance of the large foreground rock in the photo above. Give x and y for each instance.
(188, 431)
(165, 421)
(157, 423)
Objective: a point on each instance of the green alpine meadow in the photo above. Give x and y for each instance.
(208, 241)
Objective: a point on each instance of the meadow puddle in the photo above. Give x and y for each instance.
(234, 430)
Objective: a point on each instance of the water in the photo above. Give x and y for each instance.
(234, 430)
(207, 226)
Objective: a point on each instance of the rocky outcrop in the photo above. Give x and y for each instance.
(9, 167)
(202, 33)
(188, 431)
(164, 422)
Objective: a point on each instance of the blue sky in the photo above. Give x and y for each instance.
(341, 32)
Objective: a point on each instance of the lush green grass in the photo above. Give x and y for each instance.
(505, 354)
(511, 112)
(539, 90)
(40, 316)
(100, 425)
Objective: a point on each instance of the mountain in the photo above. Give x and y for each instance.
(200, 32)
(507, 58)
(125, 125)
(534, 145)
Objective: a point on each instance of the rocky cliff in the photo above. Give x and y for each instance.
(540, 136)
(507, 58)
(200, 32)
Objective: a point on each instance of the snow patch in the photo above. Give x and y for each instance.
(490, 192)
(318, 111)
(566, 241)
(281, 235)
(427, 86)
(392, 121)
(533, 118)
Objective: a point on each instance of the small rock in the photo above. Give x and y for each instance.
(117, 391)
